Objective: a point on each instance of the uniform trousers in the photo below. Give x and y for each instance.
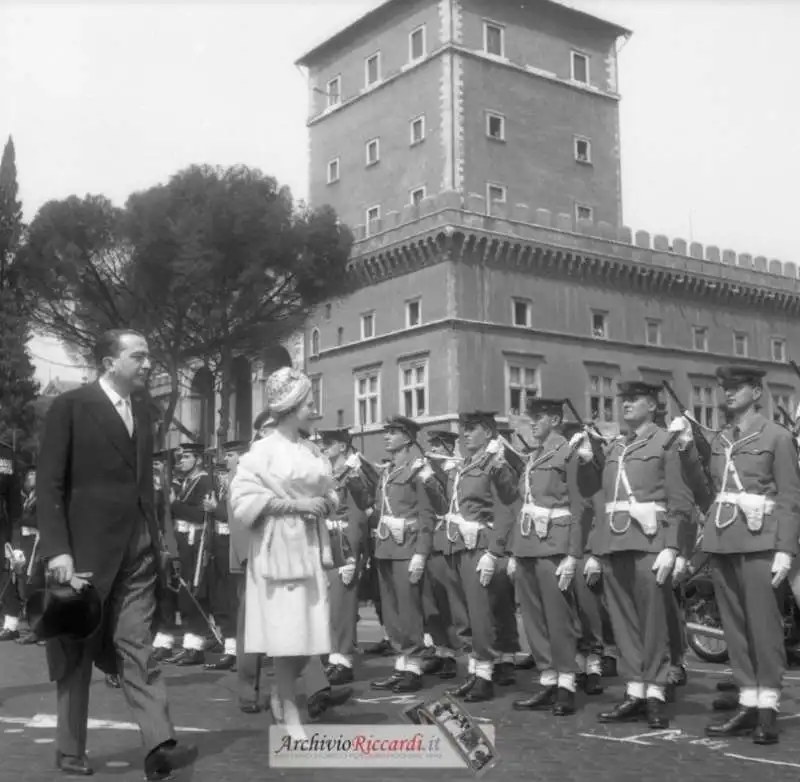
(15, 590)
(445, 604)
(343, 601)
(222, 588)
(639, 609)
(549, 616)
(752, 620)
(130, 608)
(592, 616)
(677, 631)
(192, 621)
(403, 615)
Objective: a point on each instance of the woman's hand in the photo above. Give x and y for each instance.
(315, 506)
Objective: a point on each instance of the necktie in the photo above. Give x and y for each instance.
(127, 415)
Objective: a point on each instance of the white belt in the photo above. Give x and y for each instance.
(540, 518)
(393, 527)
(188, 528)
(335, 524)
(468, 530)
(28, 532)
(222, 528)
(625, 507)
(753, 506)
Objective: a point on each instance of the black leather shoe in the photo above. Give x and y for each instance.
(9, 635)
(565, 703)
(28, 639)
(766, 731)
(740, 724)
(630, 710)
(462, 689)
(340, 674)
(322, 700)
(544, 699)
(388, 683)
(656, 718)
(449, 669)
(161, 655)
(526, 663)
(727, 702)
(112, 680)
(727, 685)
(169, 757)
(609, 667)
(503, 674)
(410, 682)
(174, 656)
(191, 657)
(481, 691)
(73, 766)
(225, 663)
(380, 648)
(592, 684)
(249, 708)
(431, 665)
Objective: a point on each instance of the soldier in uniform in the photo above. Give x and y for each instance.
(647, 502)
(356, 482)
(403, 543)
(751, 532)
(478, 531)
(190, 519)
(545, 547)
(24, 542)
(10, 509)
(444, 602)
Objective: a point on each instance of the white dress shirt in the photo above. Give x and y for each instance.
(121, 404)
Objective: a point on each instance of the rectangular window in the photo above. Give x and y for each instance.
(417, 129)
(416, 44)
(740, 345)
(372, 69)
(334, 91)
(583, 150)
(602, 399)
(373, 151)
(495, 193)
(583, 212)
(413, 313)
(495, 126)
(417, 195)
(368, 398)
(523, 384)
(700, 338)
(414, 388)
(333, 171)
(521, 312)
(494, 39)
(316, 393)
(779, 402)
(703, 405)
(653, 332)
(600, 325)
(367, 325)
(778, 346)
(373, 218)
(340, 419)
(580, 68)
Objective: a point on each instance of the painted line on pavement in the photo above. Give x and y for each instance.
(728, 672)
(619, 739)
(49, 721)
(762, 760)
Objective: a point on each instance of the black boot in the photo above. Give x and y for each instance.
(591, 684)
(503, 674)
(609, 667)
(410, 682)
(526, 663)
(727, 702)
(727, 685)
(225, 663)
(565, 703)
(339, 674)
(388, 683)
(740, 724)
(432, 665)
(542, 701)
(656, 718)
(482, 690)
(766, 731)
(380, 648)
(630, 710)
(449, 670)
(161, 655)
(191, 657)
(462, 689)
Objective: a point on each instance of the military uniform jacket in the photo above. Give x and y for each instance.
(403, 495)
(442, 476)
(648, 462)
(188, 505)
(762, 458)
(477, 489)
(27, 519)
(348, 525)
(10, 495)
(549, 522)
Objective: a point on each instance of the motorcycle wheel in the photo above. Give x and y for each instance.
(710, 650)
(701, 608)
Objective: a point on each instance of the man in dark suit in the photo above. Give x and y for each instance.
(97, 524)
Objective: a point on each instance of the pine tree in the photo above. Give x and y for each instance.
(18, 389)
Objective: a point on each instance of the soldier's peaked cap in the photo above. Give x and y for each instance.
(195, 448)
(336, 436)
(546, 406)
(161, 455)
(411, 428)
(638, 388)
(236, 446)
(442, 436)
(478, 418)
(740, 375)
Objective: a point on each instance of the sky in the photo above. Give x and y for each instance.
(110, 98)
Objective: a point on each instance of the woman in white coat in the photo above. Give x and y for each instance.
(283, 491)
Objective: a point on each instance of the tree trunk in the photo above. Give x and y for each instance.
(172, 403)
(224, 378)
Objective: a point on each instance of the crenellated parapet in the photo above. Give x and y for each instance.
(447, 225)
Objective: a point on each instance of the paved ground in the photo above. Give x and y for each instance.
(531, 746)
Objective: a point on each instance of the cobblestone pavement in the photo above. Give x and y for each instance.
(531, 746)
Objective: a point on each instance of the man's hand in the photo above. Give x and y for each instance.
(416, 568)
(684, 428)
(347, 573)
(664, 564)
(61, 568)
(579, 442)
(592, 571)
(680, 569)
(565, 572)
(486, 567)
(781, 565)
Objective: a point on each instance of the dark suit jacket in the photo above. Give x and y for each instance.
(94, 486)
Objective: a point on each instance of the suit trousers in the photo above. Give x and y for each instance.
(131, 608)
(751, 618)
(343, 599)
(444, 603)
(639, 610)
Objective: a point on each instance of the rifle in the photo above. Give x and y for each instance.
(700, 441)
(202, 552)
(596, 438)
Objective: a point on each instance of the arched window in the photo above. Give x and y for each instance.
(315, 342)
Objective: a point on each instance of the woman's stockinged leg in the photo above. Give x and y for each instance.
(284, 695)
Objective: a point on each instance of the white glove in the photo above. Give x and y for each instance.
(416, 567)
(493, 447)
(16, 559)
(486, 567)
(781, 565)
(352, 461)
(592, 571)
(579, 442)
(347, 573)
(664, 564)
(565, 572)
(681, 566)
(682, 425)
(511, 567)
